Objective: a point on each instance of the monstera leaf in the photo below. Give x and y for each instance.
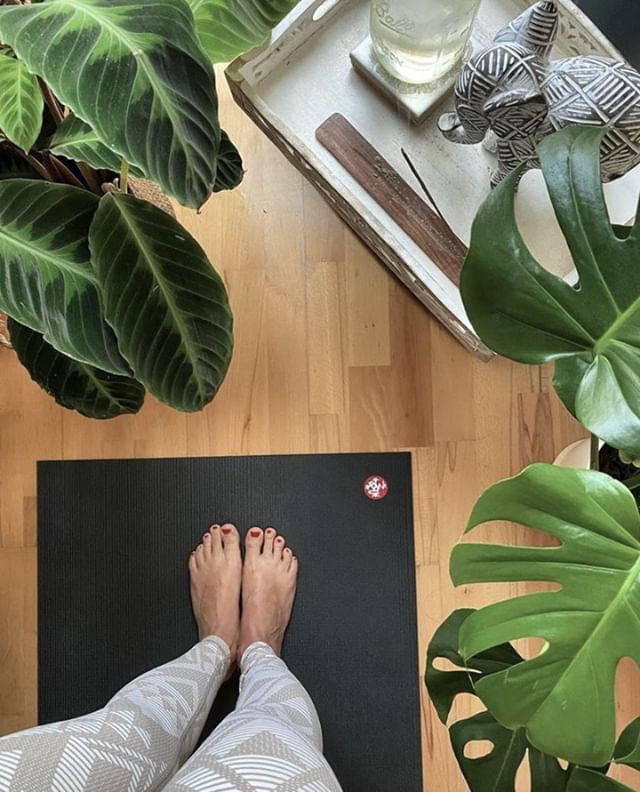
(21, 102)
(584, 780)
(78, 141)
(47, 279)
(166, 303)
(93, 393)
(495, 772)
(135, 72)
(627, 752)
(564, 697)
(628, 748)
(591, 330)
(227, 28)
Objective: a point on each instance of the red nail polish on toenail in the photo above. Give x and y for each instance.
(255, 533)
(226, 530)
(279, 539)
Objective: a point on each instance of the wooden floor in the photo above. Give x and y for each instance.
(332, 354)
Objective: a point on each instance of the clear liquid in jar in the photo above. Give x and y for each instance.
(420, 41)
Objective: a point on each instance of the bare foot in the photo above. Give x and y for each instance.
(268, 589)
(216, 576)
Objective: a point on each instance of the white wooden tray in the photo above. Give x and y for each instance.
(290, 86)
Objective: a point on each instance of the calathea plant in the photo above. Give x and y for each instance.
(108, 295)
(561, 702)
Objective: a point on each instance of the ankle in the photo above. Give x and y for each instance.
(249, 639)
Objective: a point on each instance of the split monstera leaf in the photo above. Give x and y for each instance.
(109, 296)
(497, 770)
(591, 329)
(563, 698)
(561, 702)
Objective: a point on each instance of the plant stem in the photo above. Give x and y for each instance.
(595, 452)
(38, 166)
(63, 173)
(124, 176)
(52, 102)
(90, 177)
(33, 161)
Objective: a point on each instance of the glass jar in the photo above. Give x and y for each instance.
(420, 41)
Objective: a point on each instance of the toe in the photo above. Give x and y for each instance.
(254, 541)
(193, 564)
(269, 541)
(230, 536)
(293, 569)
(216, 538)
(199, 555)
(287, 557)
(278, 547)
(206, 544)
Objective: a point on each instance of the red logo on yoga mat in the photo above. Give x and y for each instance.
(376, 488)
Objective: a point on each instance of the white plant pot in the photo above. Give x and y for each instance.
(576, 455)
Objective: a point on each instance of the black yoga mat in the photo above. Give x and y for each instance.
(113, 542)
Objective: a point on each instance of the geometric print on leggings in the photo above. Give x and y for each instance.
(134, 744)
(272, 742)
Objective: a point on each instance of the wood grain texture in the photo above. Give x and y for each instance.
(385, 185)
(373, 238)
(332, 354)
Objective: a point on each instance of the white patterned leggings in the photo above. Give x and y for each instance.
(142, 739)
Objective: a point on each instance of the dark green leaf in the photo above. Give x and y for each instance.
(444, 686)
(547, 774)
(522, 311)
(227, 28)
(13, 166)
(77, 141)
(628, 748)
(90, 391)
(167, 304)
(21, 102)
(495, 772)
(46, 278)
(135, 72)
(229, 172)
(588, 626)
(583, 780)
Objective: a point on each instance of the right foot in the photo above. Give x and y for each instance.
(215, 567)
(268, 589)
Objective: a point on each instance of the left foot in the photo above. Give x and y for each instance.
(215, 567)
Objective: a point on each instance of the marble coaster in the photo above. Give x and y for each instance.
(414, 101)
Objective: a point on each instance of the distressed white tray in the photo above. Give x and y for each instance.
(304, 75)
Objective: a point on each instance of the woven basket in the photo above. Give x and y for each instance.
(148, 191)
(5, 341)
